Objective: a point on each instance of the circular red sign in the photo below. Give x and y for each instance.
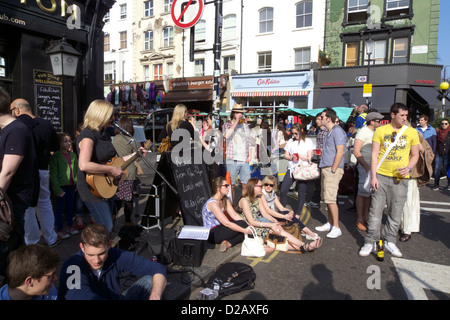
(186, 13)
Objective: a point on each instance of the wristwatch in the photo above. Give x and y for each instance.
(410, 170)
(332, 171)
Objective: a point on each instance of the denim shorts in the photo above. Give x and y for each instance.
(240, 168)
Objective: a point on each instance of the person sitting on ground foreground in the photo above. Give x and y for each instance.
(98, 266)
(31, 274)
(228, 231)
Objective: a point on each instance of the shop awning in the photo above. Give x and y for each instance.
(270, 93)
(382, 97)
(429, 94)
(342, 112)
(188, 96)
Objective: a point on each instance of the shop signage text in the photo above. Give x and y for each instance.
(340, 83)
(267, 82)
(425, 81)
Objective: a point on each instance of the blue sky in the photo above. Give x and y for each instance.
(443, 55)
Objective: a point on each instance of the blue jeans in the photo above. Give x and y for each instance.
(101, 212)
(439, 161)
(140, 290)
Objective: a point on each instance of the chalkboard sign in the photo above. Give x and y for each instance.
(48, 91)
(193, 186)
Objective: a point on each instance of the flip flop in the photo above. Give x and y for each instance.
(361, 226)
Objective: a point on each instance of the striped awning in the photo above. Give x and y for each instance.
(270, 93)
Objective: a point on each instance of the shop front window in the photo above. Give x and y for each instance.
(301, 103)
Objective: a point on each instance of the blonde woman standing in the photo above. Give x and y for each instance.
(95, 149)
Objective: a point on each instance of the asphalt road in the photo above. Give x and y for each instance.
(337, 272)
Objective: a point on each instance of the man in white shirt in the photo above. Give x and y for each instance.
(362, 150)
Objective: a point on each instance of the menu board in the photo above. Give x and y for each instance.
(48, 92)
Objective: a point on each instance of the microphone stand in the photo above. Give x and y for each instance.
(164, 184)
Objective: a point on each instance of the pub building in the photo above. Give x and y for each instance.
(32, 29)
(415, 85)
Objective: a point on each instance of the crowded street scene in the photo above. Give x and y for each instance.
(224, 150)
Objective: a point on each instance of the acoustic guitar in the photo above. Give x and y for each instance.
(104, 185)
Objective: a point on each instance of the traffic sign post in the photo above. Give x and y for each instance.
(186, 13)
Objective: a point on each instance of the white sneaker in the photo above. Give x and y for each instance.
(367, 249)
(308, 237)
(325, 227)
(392, 249)
(334, 233)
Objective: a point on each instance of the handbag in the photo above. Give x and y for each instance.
(293, 229)
(165, 143)
(306, 170)
(253, 247)
(277, 242)
(6, 216)
(366, 185)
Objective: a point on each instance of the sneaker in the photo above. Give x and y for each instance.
(367, 249)
(435, 188)
(54, 244)
(334, 233)
(308, 237)
(392, 249)
(312, 204)
(63, 234)
(72, 230)
(325, 227)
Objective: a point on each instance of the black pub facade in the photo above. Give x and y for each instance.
(28, 30)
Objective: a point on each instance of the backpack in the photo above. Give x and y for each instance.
(232, 277)
(165, 143)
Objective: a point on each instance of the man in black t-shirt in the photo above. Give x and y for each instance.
(45, 141)
(16, 167)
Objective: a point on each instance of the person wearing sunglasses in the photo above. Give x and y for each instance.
(390, 179)
(442, 153)
(257, 216)
(273, 206)
(226, 226)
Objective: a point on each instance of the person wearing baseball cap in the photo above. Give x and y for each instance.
(362, 150)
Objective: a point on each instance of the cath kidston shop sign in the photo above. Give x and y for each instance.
(186, 13)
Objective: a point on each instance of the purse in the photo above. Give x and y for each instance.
(253, 247)
(166, 144)
(293, 229)
(6, 216)
(306, 170)
(277, 242)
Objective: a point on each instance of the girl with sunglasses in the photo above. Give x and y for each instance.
(257, 216)
(226, 226)
(273, 206)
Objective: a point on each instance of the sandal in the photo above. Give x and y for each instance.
(361, 226)
(405, 237)
(308, 247)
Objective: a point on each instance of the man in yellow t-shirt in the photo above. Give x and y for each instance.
(390, 181)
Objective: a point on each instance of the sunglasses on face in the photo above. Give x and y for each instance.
(258, 185)
(225, 185)
(268, 185)
(444, 124)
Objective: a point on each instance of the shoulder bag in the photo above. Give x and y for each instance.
(165, 143)
(306, 170)
(6, 216)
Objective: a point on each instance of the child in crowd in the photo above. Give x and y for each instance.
(63, 178)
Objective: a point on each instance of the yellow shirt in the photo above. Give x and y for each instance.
(398, 157)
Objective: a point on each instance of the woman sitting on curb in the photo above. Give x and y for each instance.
(257, 216)
(226, 231)
(271, 204)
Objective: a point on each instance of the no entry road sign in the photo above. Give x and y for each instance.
(186, 13)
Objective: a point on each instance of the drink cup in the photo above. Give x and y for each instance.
(399, 175)
(242, 120)
(296, 157)
(318, 152)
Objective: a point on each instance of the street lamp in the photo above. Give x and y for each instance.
(64, 58)
(444, 91)
(370, 45)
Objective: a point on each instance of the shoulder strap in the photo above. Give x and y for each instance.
(391, 146)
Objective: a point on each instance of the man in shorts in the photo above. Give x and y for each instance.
(332, 170)
(237, 135)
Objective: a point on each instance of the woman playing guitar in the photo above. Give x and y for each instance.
(95, 149)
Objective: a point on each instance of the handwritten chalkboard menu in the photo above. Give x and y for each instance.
(192, 183)
(48, 92)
